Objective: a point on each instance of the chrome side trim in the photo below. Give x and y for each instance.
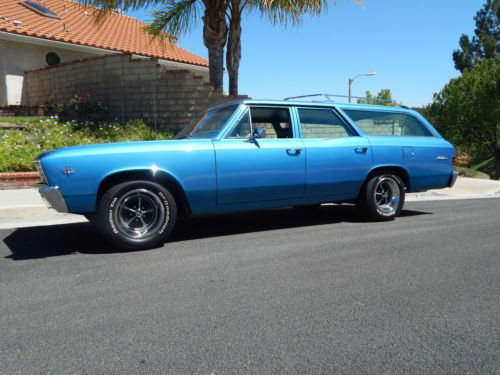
(453, 179)
(441, 158)
(53, 198)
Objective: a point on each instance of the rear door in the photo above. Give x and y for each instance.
(268, 168)
(337, 159)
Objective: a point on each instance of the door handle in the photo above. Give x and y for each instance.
(293, 151)
(361, 150)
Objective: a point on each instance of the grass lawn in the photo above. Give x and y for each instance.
(20, 120)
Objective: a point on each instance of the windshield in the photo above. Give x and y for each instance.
(208, 125)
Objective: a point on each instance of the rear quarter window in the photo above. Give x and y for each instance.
(388, 123)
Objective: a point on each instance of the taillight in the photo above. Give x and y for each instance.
(454, 161)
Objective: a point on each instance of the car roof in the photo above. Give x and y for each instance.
(315, 104)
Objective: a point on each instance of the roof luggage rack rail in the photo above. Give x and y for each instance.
(329, 97)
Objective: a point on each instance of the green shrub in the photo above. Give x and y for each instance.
(84, 105)
(18, 148)
(53, 107)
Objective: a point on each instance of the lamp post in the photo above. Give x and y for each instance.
(359, 75)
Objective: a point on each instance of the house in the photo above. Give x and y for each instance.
(37, 34)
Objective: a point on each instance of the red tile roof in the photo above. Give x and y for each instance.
(117, 33)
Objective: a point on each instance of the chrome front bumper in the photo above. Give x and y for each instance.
(453, 179)
(53, 198)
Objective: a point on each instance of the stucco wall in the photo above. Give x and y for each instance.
(131, 88)
(3, 87)
(16, 57)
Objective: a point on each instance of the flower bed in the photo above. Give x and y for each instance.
(18, 147)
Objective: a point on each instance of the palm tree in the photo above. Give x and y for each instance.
(176, 17)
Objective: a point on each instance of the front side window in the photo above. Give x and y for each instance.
(243, 129)
(322, 123)
(209, 124)
(388, 123)
(275, 121)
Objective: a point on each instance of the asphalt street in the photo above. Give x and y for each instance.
(269, 292)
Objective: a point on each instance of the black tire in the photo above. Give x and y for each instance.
(136, 215)
(382, 197)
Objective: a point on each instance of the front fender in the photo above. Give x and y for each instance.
(190, 163)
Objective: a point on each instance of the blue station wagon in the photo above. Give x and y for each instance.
(249, 155)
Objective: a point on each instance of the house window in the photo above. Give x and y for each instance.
(52, 58)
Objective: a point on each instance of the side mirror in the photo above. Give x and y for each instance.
(259, 133)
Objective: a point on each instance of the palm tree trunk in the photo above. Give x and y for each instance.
(233, 53)
(214, 38)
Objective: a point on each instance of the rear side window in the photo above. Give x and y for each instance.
(322, 123)
(388, 123)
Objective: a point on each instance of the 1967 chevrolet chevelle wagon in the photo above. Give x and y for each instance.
(248, 155)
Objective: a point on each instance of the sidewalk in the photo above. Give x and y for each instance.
(465, 188)
(24, 207)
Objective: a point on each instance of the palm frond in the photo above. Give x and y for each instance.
(175, 18)
(122, 5)
(107, 7)
(292, 11)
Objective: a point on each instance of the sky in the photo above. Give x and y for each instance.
(409, 44)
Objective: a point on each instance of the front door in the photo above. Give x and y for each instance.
(269, 166)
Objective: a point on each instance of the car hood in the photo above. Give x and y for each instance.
(125, 147)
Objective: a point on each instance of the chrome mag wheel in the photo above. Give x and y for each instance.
(139, 213)
(387, 195)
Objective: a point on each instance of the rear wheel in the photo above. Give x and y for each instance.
(136, 214)
(383, 196)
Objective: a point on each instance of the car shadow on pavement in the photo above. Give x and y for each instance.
(66, 239)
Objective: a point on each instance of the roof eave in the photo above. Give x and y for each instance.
(19, 37)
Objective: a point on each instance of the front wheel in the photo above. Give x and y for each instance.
(136, 215)
(383, 196)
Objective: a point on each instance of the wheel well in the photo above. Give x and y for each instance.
(401, 172)
(159, 177)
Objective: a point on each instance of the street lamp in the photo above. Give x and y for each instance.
(359, 75)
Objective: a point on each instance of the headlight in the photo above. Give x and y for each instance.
(39, 169)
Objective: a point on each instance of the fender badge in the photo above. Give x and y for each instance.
(68, 171)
